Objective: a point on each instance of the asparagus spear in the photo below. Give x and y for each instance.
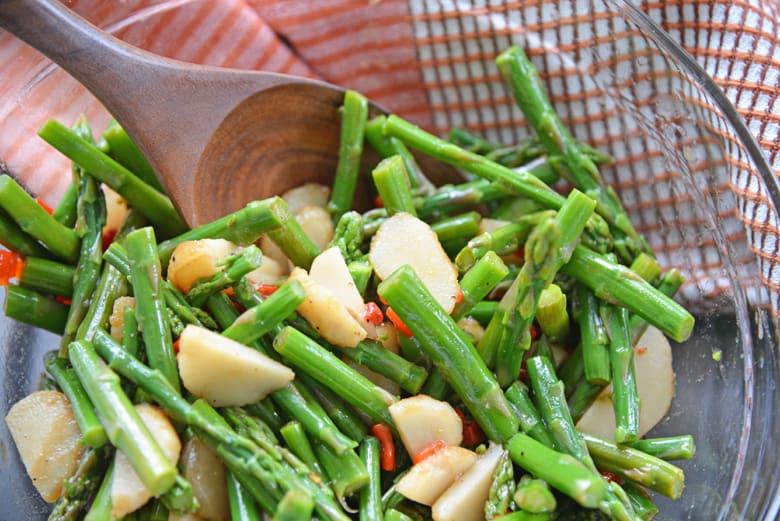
(35, 309)
(47, 276)
(582, 397)
(15, 239)
(373, 355)
(336, 408)
(264, 317)
(477, 282)
(354, 113)
(572, 370)
(673, 447)
(392, 183)
(644, 469)
(436, 386)
(123, 426)
(296, 505)
(154, 206)
(450, 198)
(295, 438)
(346, 472)
(522, 515)
(261, 468)
(451, 351)
(371, 495)
(483, 311)
(389, 146)
(501, 241)
(517, 182)
(616, 283)
(33, 220)
(150, 304)
(177, 303)
(534, 496)
(242, 506)
(361, 271)
(243, 227)
(518, 71)
(80, 487)
(502, 488)
(127, 153)
(111, 285)
(548, 248)
(457, 229)
(348, 235)
(625, 397)
(526, 150)
(100, 509)
(593, 337)
(552, 315)
(234, 268)
(65, 211)
(392, 514)
(669, 284)
(548, 392)
(330, 371)
(291, 238)
(641, 501)
(290, 398)
(561, 471)
(530, 421)
(91, 217)
(92, 432)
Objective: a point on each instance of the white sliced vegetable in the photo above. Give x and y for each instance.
(329, 270)
(327, 314)
(559, 354)
(128, 492)
(116, 211)
(465, 499)
(47, 436)
(422, 420)
(655, 385)
(205, 471)
(472, 328)
(224, 372)
(194, 260)
(387, 335)
(269, 272)
(117, 318)
(429, 478)
(487, 225)
(405, 239)
(317, 225)
(271, 250)
(307, 194)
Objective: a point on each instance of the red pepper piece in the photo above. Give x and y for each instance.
(386, 446)
(49, 209)
(398, 323)
(11, 265)
(429, 450)
(266, 290)
(373, 314)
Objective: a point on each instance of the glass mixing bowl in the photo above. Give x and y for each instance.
(682, 153)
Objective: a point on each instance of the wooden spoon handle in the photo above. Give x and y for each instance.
(97, 60)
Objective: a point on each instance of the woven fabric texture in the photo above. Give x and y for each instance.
(432, 62)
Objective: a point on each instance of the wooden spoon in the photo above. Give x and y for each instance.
(217, 138)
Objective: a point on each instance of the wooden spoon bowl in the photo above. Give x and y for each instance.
(217, 138)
